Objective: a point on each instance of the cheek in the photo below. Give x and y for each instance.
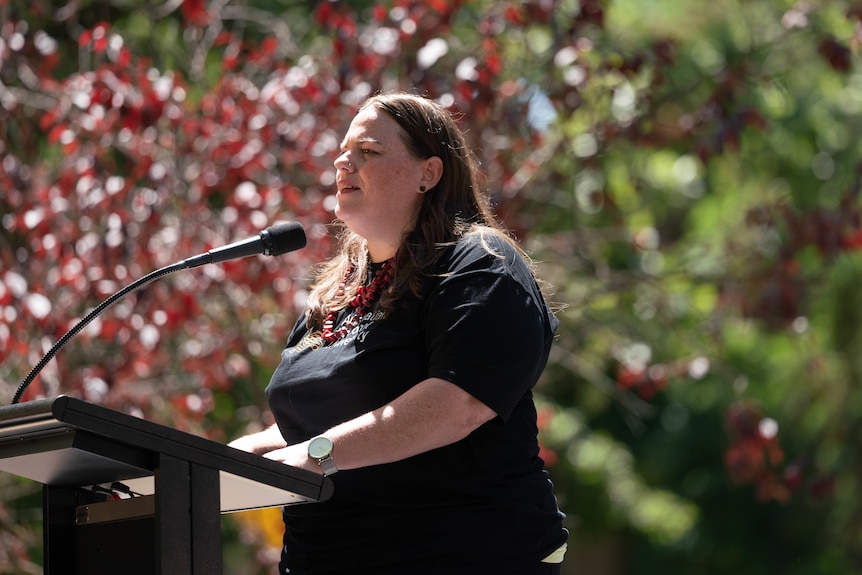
(404, 189)
(406, 176)
(393, 183)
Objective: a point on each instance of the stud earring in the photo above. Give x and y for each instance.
(422, 189)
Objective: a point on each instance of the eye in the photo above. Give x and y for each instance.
(367, 151)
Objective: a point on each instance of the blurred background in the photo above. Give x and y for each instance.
(684, 172)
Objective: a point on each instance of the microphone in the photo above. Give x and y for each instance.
(273, 241)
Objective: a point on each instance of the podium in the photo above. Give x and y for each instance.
(125, 495)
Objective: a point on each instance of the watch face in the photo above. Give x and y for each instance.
(320, 447)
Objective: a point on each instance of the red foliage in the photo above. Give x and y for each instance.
(838, 55)
(548, 455)
(194, 12)
(775, 291)
(755, 457)
(96, 39)
(754, 453)
(645, 381)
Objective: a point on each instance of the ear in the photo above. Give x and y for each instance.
(432, 171)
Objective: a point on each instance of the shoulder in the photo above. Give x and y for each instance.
(485, 249)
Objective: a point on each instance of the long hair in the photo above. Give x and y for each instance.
(456, 206)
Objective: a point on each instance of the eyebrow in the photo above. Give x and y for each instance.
(360, 140)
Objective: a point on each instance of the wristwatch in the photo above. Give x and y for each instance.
(320, 449)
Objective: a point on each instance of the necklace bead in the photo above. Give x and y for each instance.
(364, 300)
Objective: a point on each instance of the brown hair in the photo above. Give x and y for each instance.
(456, 206)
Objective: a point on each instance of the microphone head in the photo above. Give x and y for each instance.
(282, 238)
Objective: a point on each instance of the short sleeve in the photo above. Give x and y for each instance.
(488, 329)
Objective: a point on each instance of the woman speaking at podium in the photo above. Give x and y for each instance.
(408, 380)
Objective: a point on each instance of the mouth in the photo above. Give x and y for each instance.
(347, 188)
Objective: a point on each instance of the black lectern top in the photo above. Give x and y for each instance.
(68, 442)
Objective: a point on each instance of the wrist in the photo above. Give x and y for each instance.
(320, 450)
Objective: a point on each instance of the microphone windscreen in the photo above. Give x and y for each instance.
(285, 238)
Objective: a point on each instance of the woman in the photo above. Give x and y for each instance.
(410, 374)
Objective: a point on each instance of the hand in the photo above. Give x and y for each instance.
(245, 443)
(295, 456)
(260, 442)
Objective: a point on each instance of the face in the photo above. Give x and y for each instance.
(379, 182)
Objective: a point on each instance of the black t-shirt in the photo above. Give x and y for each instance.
(481, 505)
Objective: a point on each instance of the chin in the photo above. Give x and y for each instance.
(351, 223)
(343, 215)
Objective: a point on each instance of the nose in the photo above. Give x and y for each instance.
(342, 162)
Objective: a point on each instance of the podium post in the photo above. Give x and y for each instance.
(176, 487)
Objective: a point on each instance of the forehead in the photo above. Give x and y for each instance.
(373, 125)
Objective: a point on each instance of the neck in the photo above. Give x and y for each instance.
(380, 253)
(385, 243)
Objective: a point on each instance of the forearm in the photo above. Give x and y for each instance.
(432, 414)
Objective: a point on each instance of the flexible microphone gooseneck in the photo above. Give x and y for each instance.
(273, 241)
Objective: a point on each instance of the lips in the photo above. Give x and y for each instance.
(344, 187)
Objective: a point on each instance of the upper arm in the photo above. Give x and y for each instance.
(488, 329)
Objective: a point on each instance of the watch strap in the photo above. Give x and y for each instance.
(327, 465)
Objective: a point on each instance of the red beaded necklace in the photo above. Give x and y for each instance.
(363, 301)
